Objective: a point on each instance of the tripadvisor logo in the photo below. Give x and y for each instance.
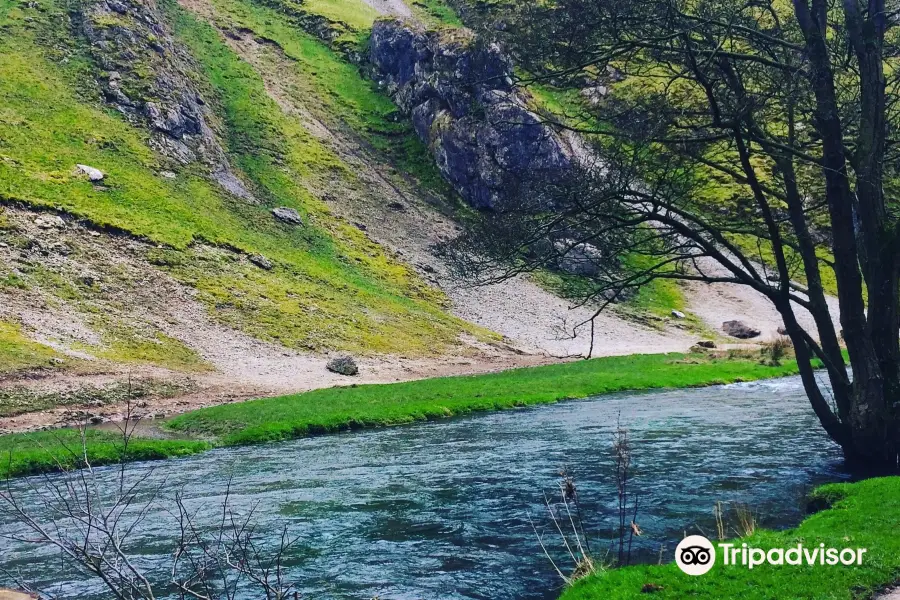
(695, 555)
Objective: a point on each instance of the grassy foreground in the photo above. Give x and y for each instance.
(861, 515)
(335, 409)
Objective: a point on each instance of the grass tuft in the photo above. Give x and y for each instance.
(18, 353)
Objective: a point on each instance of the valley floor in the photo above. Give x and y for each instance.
(90, 303)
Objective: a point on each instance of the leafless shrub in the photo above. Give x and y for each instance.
(627, 527)
(91, 519)
(746, 520)
(719, 514)
(566, 516)
(568, 520)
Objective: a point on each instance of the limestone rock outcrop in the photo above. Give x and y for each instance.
(459, 92)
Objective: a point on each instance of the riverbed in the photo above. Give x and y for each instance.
(444, 510)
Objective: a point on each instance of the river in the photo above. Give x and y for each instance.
(439, 510)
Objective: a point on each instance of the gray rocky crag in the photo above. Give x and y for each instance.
(460, 95)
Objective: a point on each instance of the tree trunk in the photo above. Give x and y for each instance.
(875, 438)
(868, 254)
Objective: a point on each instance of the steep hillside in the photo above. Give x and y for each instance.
(154, 189)
(261, 203)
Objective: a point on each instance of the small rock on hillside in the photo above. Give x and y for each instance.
(261, 261)
(709, 344)
(740, 330)
(49, 222)
(287, 215)
(343, 365)
(93, 173)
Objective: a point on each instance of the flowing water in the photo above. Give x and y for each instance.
(441, 510)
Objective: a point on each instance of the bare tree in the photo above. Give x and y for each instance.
(92, 518)
(745, 142)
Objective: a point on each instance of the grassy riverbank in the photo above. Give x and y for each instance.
(861, 515)
(341, 408)
(42, 451)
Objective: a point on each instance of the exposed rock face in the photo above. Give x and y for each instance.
(740, 330)
(460, 95)
(145, 75)
(343, 365)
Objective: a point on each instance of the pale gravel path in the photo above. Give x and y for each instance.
(542, 322)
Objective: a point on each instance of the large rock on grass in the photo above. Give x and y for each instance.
(93, 173)
(261, 261)
(740, 330)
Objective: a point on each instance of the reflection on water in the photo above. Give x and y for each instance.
(439, 510)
